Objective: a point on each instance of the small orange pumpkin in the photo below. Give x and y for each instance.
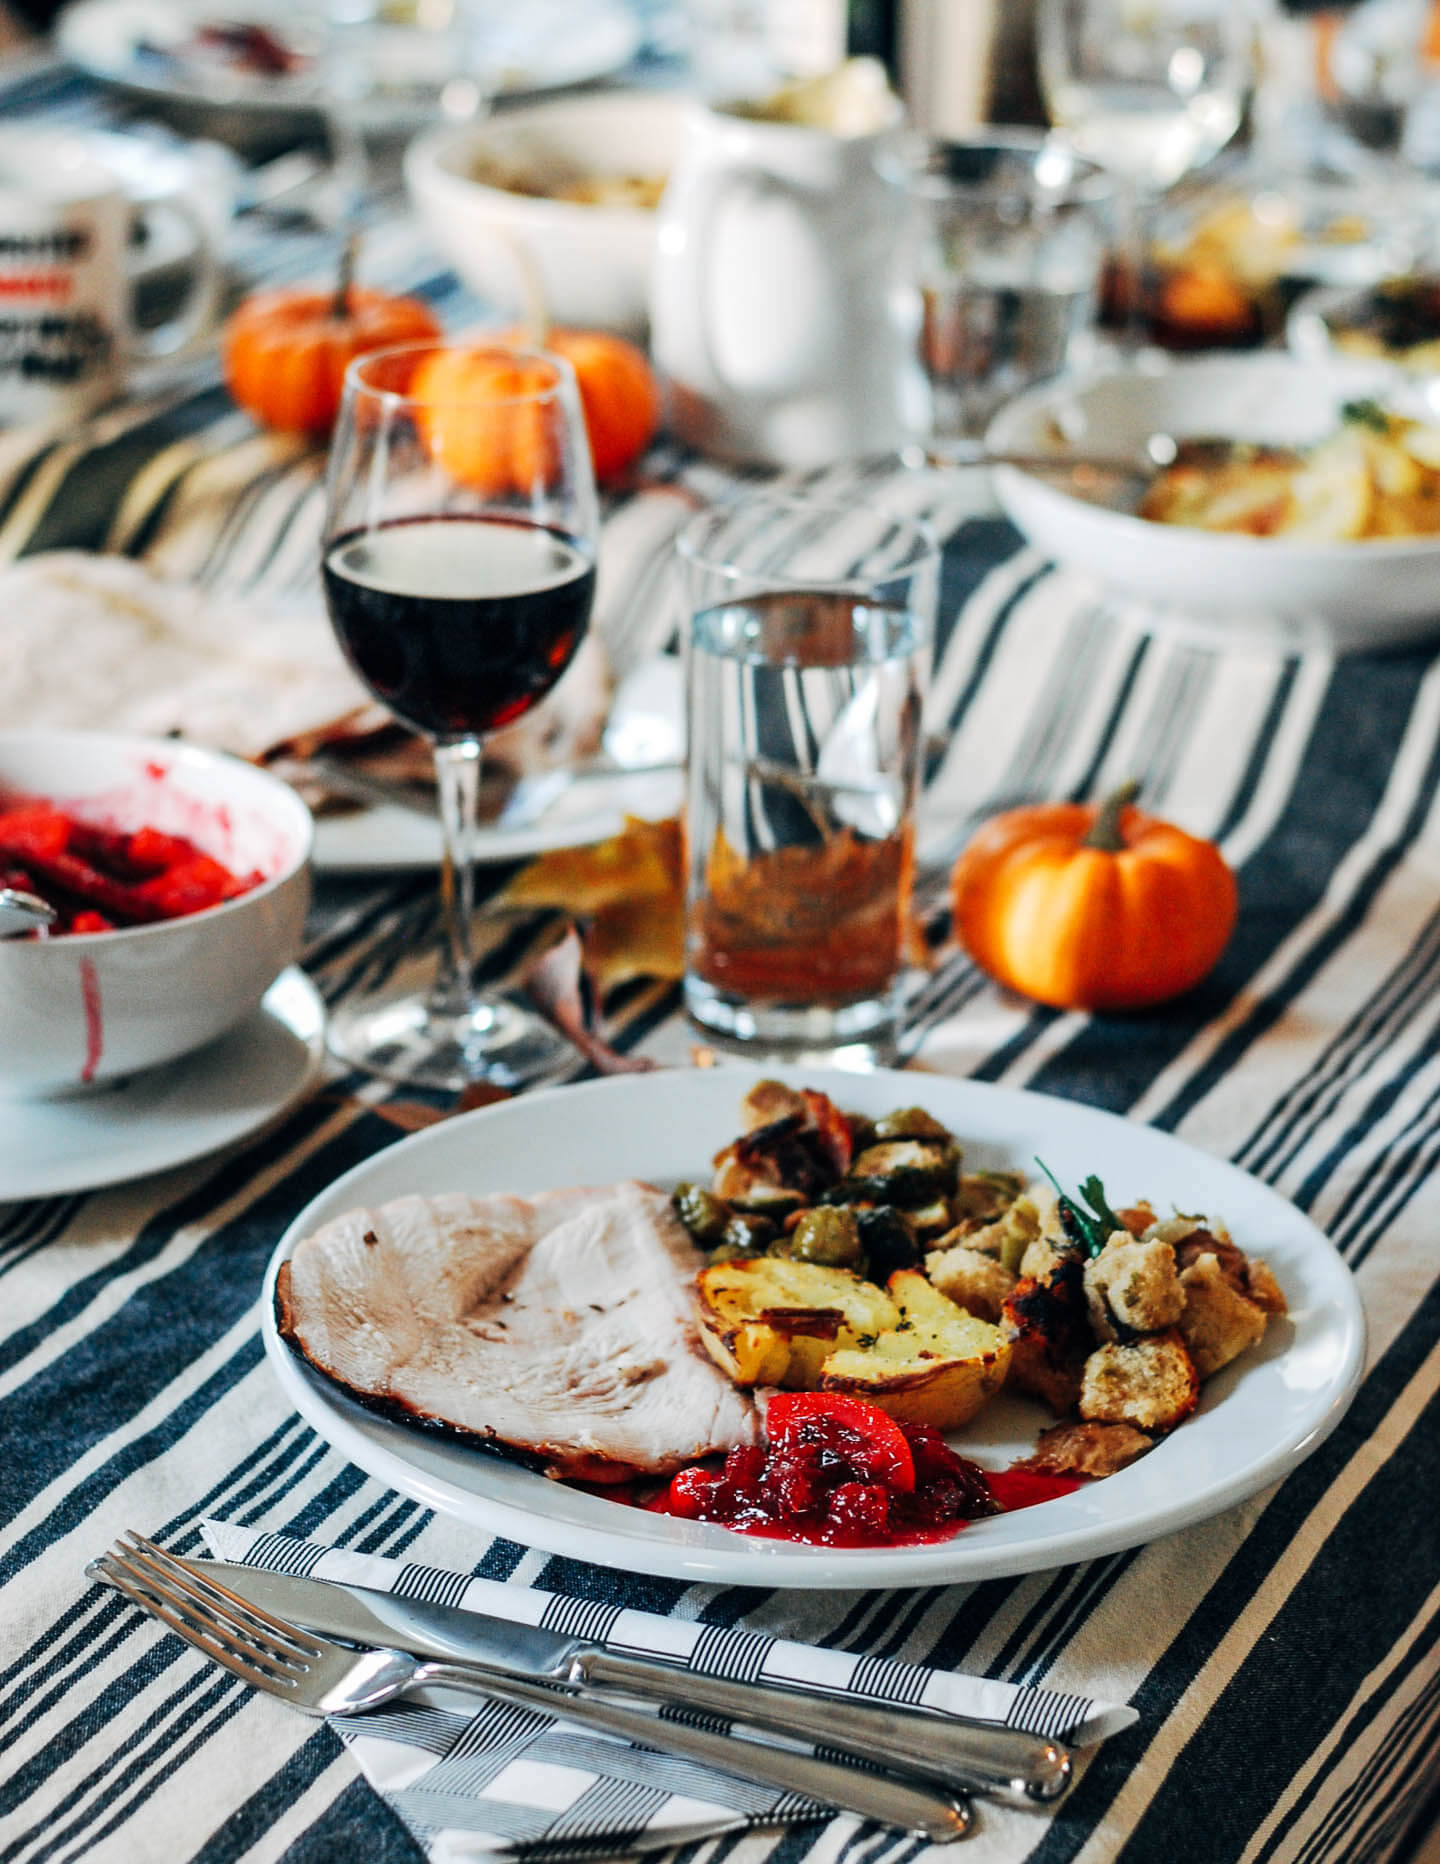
(1090, 908)
(618, 392)
(478, 422)
(514, 448)
(285, 351)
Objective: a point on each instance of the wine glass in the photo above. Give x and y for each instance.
(1149, 89)
(459, 570)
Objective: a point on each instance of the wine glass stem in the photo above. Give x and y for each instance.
(457, 777)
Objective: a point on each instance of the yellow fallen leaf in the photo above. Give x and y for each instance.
(628, 892)
(642, 862)
(635, 938)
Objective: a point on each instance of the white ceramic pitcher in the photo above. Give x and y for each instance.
(779, 309)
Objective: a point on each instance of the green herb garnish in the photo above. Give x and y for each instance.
(1097, 1224)
(1365, 413)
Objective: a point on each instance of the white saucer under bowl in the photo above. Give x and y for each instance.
(169, 1115)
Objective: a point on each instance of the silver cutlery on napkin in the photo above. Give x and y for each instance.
(958, 1754)
(313, 1673)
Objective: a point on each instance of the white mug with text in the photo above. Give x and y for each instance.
(68, 331)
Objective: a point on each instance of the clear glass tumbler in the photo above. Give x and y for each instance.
(1010, 233)
(807, 652)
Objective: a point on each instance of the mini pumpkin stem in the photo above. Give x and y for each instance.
(1105, 831)
(349, 256)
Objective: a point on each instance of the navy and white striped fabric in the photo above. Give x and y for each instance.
(1282, 1657)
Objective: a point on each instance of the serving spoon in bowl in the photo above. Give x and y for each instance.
(23, 912)
(1156, 453)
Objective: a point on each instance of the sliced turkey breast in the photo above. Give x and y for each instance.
(559, 1325)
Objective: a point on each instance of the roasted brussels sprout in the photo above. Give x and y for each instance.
(702, 1213)
(930, 1220)
(982, 1196)
(732, 1252)
(768, 1200)
(888, 1241)
(746, 1235)
(829, 1236)
(905, 1171)
(910, 1123)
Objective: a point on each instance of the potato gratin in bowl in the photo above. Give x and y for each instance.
(1309, 516)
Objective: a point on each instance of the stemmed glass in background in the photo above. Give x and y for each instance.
(459, 568)
(1149, 89)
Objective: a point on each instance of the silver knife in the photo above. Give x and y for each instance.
(964, 1755)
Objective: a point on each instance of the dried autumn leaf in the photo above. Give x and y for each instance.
(636, 938)
(643, 862)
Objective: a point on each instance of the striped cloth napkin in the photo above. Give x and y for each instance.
(510, 1781)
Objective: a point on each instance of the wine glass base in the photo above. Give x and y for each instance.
(407, 1038)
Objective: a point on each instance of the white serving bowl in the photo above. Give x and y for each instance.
(1346, 597)
(591, 263)
(82, 1009)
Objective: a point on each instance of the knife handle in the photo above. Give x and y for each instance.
(909, 1805)
(961, 1754)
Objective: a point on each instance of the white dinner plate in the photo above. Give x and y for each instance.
(378, 840)
(1257, 1419)
(142, 45)
(646, 725)
(167, 1116)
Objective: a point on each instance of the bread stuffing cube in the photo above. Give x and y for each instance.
(1152, 1384)
(1217, 1324)
(1262, 1287)
(1135, 1284)
(972, 1280)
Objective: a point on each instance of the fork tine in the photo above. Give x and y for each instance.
(288, 1640)
(214, 1632)
(275, 1682)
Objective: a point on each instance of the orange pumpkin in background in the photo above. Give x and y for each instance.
(510, 447)
(1092, 908)
(285, 352)
(618, 392)
(515, 448)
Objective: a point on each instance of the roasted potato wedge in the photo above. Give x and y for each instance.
(936, 1365)
(772, 1320)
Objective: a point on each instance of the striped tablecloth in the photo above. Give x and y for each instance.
(1282, 1656)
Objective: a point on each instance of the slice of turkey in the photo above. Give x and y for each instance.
(559, 1325)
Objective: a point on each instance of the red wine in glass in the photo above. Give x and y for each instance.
(459, 624)
(458, 561)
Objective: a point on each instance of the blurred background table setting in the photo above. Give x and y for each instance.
(826, 607)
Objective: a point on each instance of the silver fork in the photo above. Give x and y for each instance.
(321, 1677)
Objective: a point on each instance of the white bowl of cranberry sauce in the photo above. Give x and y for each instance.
(181, 882)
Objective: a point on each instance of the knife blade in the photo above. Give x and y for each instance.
(964, 1755)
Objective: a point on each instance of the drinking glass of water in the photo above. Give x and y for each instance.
(1149, 89)
(1010, 232)
(808, 646)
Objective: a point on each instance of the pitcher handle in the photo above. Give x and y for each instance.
(708, 212)
(186, 331)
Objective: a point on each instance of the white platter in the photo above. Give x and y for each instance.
(545, 46)
(646, 725)
(1258, 1419)
(170, 1115)
(378, 840)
